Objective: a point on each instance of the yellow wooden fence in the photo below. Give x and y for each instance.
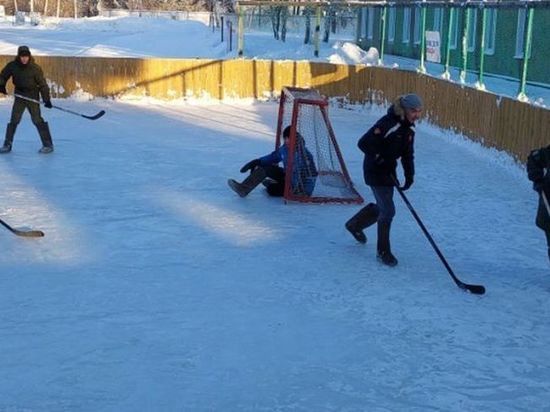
(495, 121)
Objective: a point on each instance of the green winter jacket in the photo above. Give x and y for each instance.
(28, 79)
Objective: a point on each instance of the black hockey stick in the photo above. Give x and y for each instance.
(24, 233)
(475, 289)
(94, 117)
(545, 200)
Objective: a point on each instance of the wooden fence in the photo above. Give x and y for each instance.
(495, 121)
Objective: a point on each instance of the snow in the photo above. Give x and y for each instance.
(163, 37)
(157, 288)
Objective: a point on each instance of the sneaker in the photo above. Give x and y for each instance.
(359, 235)
(46, 149)
(387, 258)
(6, 148)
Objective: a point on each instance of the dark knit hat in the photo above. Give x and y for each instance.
(411, 101)
(23, 51)
(286, 132)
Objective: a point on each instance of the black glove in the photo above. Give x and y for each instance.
(250, 165)
(408, 183)
(48, 104)
(3, 90)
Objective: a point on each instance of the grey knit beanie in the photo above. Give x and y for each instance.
(411, 101)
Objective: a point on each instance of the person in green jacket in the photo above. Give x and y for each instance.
(29, 81)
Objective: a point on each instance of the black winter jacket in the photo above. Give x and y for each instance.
(391, 138)
(28, 79)
(538, 171)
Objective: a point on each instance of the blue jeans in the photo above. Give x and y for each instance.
(384, 201)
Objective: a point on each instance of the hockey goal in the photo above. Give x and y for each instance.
(312, 138)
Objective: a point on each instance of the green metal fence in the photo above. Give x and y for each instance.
(492, 37)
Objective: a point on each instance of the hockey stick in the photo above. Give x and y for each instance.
(545, 200)
(475, 289)
(94, 117)
(24, 233)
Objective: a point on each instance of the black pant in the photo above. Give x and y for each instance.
(277, 174)
(19, 107)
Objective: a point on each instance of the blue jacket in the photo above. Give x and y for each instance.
(304, 172)
(391, 138)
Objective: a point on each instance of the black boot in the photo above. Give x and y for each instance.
(46, 137)
(384, 254)
(254, 179)
(361, 220)
(8, 141)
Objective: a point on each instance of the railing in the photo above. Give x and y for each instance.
(504, 123)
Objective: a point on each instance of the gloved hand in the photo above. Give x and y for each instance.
(538, 185)
(250, 165)
(3, 90)
(408, 183)
(48, 104)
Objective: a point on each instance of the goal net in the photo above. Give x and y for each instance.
(315, 169)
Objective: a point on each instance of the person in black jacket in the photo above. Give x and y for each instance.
(29, 81)
(538, 171)
(391, 138)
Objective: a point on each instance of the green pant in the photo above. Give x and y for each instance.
(19, 107)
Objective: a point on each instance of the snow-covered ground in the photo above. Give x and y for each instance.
(156, 288)
(161, 37)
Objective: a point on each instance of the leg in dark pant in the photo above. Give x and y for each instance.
(361, 220)
(386, 207)
(276, 185)
(42, 127)
(45, 136)
(247, 185)
(16, 112)
(8, 141)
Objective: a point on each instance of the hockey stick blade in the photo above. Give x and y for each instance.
(28, 233)
(475, 289)
(95, 116)
(24, 233)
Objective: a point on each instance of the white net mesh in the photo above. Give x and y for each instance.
(317, 159)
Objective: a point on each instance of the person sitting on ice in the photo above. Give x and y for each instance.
(267, 171)
(538, 171)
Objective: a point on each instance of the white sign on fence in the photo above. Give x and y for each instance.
(433, 47)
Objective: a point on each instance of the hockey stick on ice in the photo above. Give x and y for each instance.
(475, 289)
(24, 233)
(94, 117)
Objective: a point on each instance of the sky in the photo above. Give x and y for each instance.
(158, 288)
